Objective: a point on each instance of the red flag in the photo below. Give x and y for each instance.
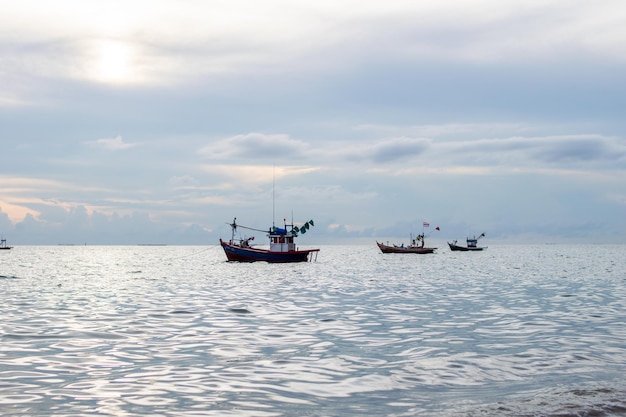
(437, 228)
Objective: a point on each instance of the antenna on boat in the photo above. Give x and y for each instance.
(273, 195)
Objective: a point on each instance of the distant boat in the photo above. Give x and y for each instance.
(3, 245)
(416, 245)
(472, 245)
(282, 245)
(404, 249)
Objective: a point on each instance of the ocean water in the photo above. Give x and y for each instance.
(528, 330)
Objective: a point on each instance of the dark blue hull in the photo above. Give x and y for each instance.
(454, 247)
(238, 254)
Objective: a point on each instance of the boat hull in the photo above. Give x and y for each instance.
(235, 253)
(408, 249)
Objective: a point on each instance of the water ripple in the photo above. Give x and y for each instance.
(516, 331)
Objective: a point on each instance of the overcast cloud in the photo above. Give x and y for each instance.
(158, 122)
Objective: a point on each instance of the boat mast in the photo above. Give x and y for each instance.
(273, 196)
(233, 227)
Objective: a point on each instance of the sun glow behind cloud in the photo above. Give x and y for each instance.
(113, 62)
(164, 43)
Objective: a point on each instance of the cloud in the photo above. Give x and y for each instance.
(571, 151)
(454, 149)
(584, 149)
(111, 144)
(15, 212)
(400, 148)
(256, 146)
(309, 36)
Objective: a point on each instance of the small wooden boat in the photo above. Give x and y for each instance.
(3, 245)
(472, 245)
(404, 249)
(282, 245)
(417, 245)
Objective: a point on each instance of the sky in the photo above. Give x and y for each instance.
(131, 122)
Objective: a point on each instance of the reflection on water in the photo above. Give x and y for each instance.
(515, 330)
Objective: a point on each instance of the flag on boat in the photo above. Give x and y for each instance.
(426, 224)
(302, 229)
(437, 228)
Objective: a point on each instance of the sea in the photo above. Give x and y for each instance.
(516, 330)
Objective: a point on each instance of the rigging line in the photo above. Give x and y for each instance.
(191, 254)
(252, 228)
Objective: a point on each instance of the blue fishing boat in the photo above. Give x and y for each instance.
(282, 247)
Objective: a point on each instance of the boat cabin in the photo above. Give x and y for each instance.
(281, 241)
(472, 243)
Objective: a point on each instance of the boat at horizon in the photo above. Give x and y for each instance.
(416, 245)
(282, 247)
(386, 248)
(472, 245)
(3, 245)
